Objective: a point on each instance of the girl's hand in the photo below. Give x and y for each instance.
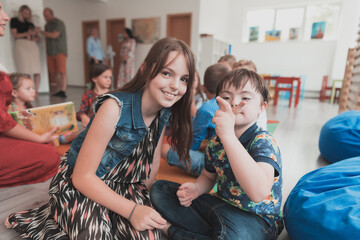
(145, 217)
(224, 118)
(85, 120)
(187, 193)
(49, 136)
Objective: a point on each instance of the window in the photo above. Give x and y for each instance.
(293, 23)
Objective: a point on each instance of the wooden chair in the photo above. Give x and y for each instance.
(326, 88)
(283, 84)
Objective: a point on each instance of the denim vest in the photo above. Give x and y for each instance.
(130, 130)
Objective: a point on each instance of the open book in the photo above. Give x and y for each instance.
(43, 119)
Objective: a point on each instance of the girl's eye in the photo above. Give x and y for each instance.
(166, 74)
(185, 79)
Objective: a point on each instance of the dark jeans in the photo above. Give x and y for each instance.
(208, 217)
(93, 62)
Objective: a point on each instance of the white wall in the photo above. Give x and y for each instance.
(313, 58)
(74, 12)
(7, 42)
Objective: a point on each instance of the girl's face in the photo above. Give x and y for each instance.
(26, 91)
(249, 113)
(3, 19)
(170, 84)
(26, 14)
(104, 80)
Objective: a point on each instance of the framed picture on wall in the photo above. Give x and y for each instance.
(273, 35)
(146, 30)
(294, 33)
(318, 30)
(253, 34)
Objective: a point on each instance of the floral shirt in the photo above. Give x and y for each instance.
(262, 148)
(86, 104)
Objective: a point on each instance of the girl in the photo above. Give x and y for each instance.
(27, 54)
(100, 76)
(23, 92)
(23, 158)
(102, 187)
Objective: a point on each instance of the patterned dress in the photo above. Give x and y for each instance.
(127, 68)
(71, 215)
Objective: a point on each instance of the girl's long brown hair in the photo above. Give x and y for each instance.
(180, 119)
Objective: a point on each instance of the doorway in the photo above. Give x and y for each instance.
(114, 29)
(179, 26)
(86, 29)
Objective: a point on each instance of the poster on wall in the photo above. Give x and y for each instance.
(294, 33)
(253, 34)
(146, 30)
(273, 35)
(318, 30)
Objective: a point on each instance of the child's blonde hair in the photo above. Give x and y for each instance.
(239, 77)
(248, 64)
(229, 59)
(16, 79)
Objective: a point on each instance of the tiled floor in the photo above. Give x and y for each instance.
(297, 135)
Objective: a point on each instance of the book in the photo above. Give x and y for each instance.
(43, 119)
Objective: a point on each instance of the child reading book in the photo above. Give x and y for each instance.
(245, 163)
(23, 94)
(100, 76)
(101, 190)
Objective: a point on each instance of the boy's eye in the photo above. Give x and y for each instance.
(226, 98)
(245, 98)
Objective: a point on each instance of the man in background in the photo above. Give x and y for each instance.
(56, 50)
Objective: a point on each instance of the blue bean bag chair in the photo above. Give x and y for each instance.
(325, 203)
(340, 137)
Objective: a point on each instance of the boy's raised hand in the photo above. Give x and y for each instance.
(186, 193)
(224, 118)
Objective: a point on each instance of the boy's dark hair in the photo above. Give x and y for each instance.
(239, 77)
(213, 75)
(16, 79)
(95, 71)
(180, 119)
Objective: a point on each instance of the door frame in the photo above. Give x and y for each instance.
(108, 42)
(85, 35)
(169, 18)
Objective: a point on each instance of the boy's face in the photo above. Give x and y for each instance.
(248, 114)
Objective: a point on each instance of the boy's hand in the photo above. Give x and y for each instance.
(224, 119)
(186, 193)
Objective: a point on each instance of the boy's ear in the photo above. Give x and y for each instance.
(263, 106)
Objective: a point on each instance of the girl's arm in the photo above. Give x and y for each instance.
(156, 162)
(84, 176)
(19, 132)
(19, 35)
(255, 178)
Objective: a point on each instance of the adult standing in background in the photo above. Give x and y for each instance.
(93, 47)
(56, 50)
(27, 54)
(127, 58)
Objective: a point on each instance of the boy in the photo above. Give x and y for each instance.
(203, 128)
(243, 160)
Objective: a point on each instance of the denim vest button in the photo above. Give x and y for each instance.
(107, 168)
(125, 136)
